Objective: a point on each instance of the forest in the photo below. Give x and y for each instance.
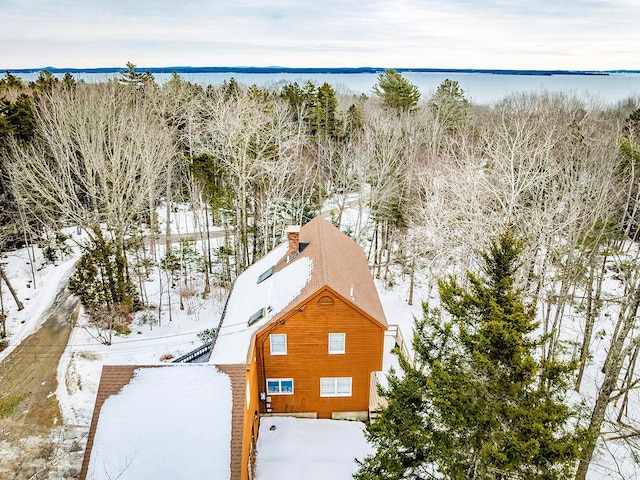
(434, 180)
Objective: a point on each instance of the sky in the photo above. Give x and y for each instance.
(508, 34)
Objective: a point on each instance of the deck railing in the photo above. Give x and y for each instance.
(196, 353)
(376, 401)
(394, 331)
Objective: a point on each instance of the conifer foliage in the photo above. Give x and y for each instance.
(477, 404)
(396, 91)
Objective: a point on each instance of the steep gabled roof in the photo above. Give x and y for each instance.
(328, 257)
(341, 265)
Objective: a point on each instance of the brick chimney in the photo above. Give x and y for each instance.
(293, 235)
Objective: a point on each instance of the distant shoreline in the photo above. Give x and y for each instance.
(319, 70)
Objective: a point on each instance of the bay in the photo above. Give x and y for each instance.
(481, 88)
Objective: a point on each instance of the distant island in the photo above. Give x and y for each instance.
(319, 70)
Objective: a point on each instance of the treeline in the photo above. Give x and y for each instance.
(432, 180)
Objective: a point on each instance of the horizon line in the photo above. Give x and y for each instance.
(315, 70)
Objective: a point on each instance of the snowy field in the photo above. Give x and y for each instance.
(175, 334)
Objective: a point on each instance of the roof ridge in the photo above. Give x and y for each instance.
(324, 277)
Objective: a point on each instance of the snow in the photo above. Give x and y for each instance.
(36, 298)
(248, 296)
(169, 422)
(80, 366)
(309, 449)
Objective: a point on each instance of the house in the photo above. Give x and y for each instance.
(307, 323)
(302, 333)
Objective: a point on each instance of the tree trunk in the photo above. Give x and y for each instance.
(628, 379)
(3, 276)
(612, 368)
(593, 297)
(412, 281)
(3, 317)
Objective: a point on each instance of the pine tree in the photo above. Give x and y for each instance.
(396, 91)
(450, 106)
(477, 405)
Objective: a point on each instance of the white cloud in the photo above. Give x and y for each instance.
(419, 33)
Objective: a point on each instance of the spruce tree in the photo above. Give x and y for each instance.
(478, 404)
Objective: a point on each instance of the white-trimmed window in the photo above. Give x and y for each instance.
(278, 343)
(337, 342)
(279, 386)
(335, 387)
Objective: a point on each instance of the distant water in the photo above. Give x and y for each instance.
(484, 88)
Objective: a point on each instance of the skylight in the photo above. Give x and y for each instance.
(257, 316)
(265, 275)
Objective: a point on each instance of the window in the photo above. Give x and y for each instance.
(336, 342)
(265, 275)
(278, 343)
(280, 386)
(257, 316)
(335, 387)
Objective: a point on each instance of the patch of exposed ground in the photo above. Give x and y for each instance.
(32, 438)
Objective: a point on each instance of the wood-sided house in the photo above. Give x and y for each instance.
(302, 333)
(307, 322)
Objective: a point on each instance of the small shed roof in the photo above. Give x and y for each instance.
(328, 258)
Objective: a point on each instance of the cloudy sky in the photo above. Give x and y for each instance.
(519, 34)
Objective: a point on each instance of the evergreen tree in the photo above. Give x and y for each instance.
(324, 121)
(10, 81)
(44, 83)
(68, 82)
(396, 91)
(450, 106)
(477, 405)
(132, 77)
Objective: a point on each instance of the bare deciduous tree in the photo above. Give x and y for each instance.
(100, 153)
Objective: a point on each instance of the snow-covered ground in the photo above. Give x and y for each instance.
(309, 449)
(36, 296)
(80, 366)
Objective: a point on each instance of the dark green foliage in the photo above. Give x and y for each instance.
(132, 77)
(207, 334)
(211, 173)
(44, 83)
(56, 248)
(317, 107)
(354, 122)
(450, 106)
(396, 91)
(324, 122)
(68, 82)
(478, 405)
(17, 118)
(231, 89)
(101, 280)
(630, 156)
(11, 81)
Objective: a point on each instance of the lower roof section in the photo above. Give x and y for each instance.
(171, 421)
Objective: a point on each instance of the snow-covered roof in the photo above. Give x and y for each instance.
(167, 422)
(328, 258)
(249, 297)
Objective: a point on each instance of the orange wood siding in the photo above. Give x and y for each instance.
(308, 357)
(251, 423)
